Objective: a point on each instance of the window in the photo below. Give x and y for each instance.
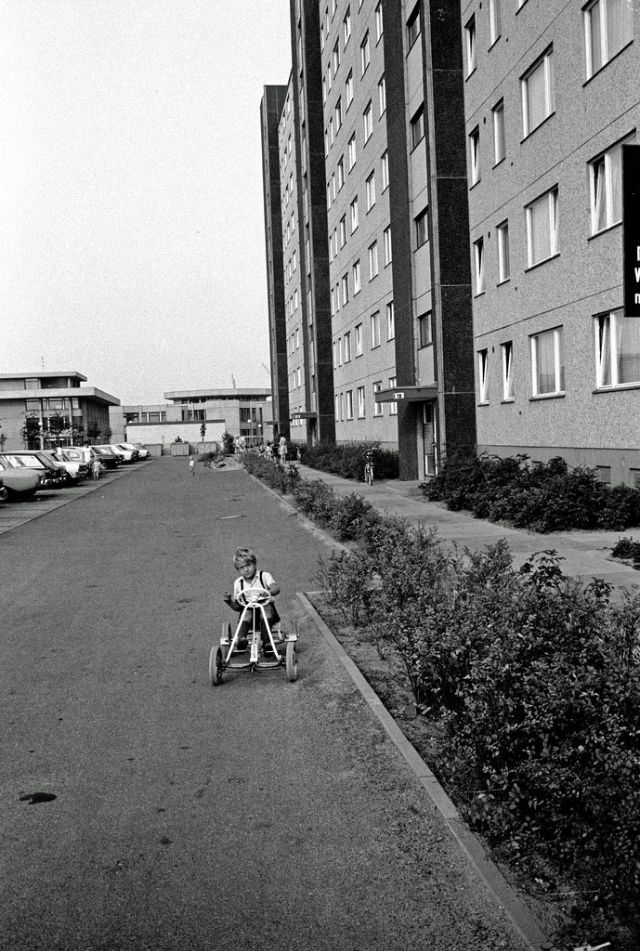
(351, 151)
(478, 265)
(413, 26)
(542, 228)
(365, 53)
(371, 190)
(354, 214)
(379, 21)
(494, 20)
(547, 367)
(348, 89)
(537, 94)
(422, 232)
(373, 260)
(377, 407)
(357, 339)
(474, 155)
(483, 375)
(507, 370)
(349, 402)
(470, 44)
(360, 394)
(425, 330)
(337, 113)
(391, 320)
(608, 26)
(346, 347)
(345, 289)
(382, 97)
(337, 399)
(342, 231)
(605, 181)
(393, 407)
(346, 26)
(340, 171)
(367, 121)
(499, 142)
(504, 266)
(385, 171)
(355, 277)
(335, 58)
(617, 349)
(374, 326)
(417, 127)
(386, 237)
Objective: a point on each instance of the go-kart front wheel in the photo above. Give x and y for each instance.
(215, 665)
(291, 662)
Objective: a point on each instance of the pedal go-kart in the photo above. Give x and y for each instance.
(232, 654)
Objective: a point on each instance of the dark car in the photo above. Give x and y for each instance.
(55, 475)
(108, 458)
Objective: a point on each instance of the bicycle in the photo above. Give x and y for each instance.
(368, 469)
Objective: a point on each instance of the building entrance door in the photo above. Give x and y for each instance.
(430, 438)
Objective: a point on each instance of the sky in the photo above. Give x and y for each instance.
(131, 208)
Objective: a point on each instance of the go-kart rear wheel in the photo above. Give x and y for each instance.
(291, 662)
(215, 665)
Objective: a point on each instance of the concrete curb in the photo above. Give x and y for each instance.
(518, 913)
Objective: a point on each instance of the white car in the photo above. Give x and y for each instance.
(129, 447)
(125, 454)
(142, 450)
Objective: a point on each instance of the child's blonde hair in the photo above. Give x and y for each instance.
(244, 556)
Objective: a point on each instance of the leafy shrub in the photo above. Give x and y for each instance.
(347, 459)
(282, 479)
(544, 497)
(627, 548)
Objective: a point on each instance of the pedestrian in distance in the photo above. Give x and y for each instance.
(192, 466)
(282, 450)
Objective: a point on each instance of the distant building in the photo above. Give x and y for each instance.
(373, 313)
(239, 412)
(48, 409)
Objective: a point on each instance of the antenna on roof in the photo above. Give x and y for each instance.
(42, 364)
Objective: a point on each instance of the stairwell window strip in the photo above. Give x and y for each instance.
(605, 189)
(547, 363)
(542, 228)
(608, 27)
(617, 350)
(536, 87)
(393, 407)
(378, 409)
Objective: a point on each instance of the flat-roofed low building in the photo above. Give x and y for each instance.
(245, 413)
(51, 408)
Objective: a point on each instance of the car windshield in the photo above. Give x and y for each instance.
(72, 454)
(30, 462)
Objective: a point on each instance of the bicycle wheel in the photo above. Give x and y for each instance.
(215, 665)
(291, 662)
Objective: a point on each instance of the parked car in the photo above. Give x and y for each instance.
(126, 455)
(108, 458)
(48, 457)
(129, 447)
(3, 492)
(28, 460)
(75, 454)
(54, 475)
(142, 450)
(19, 481)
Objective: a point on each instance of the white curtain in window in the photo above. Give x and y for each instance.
(536, 86)
(628, 349)
(545, 363)
(595, 36)
(539, 230)
(599, 214)
(615, 175)
(619, 24)
(603, 351)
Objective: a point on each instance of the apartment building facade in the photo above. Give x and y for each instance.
(551, 99)
(380, 101)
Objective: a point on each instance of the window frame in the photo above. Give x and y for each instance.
(506, 356)
(552, 196)
(504, 251)
(543, 61)
(558, 368)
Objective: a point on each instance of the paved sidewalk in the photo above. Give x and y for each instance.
(585, 554)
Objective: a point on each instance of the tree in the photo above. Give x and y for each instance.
(56, 424)
(32, 433)
(93, 431)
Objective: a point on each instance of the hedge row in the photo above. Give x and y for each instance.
(348, 459)
(545, 497)
(534, 682)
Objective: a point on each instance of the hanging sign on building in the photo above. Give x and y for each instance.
(631, 229)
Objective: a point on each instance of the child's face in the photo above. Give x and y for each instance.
(247, 571)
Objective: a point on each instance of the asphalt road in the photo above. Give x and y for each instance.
(255, 815)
